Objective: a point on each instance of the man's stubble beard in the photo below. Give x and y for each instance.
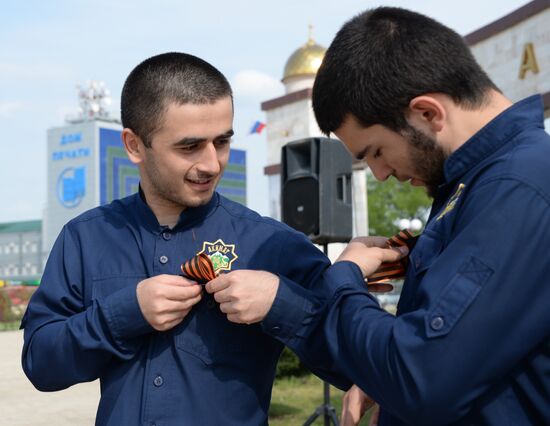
(166, 189)
(427, 157)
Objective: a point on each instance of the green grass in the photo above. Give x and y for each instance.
(295, 399)
(11, 325)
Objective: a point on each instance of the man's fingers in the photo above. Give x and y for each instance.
(393, 254)
(180, 293)
(223, 296)
(175, 280)
(381, 242)
(236, 318)
(228, 308)
(177, 306)
(374, 415)
(219, 283)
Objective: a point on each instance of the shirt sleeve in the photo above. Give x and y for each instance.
(66, 342)
(480, 309)
(299, 301)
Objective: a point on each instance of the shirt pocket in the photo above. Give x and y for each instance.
(456, 297)
(105, 286)
(207, 334)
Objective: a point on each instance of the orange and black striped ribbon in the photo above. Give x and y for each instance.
(380, 280)
(199, 268)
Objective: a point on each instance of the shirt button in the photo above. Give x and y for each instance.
(166, 235)
(163, 259)
(275, 329)
(437, 323)
(158, 381)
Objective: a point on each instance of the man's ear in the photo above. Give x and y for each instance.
(133, 145)
(427, 112)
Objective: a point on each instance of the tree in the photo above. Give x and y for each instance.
(390, 201)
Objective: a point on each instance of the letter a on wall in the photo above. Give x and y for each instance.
(528, 61)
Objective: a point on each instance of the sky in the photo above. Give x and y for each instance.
(47, 48)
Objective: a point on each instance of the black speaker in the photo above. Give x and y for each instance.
(316, 189)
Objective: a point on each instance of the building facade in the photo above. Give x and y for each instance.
(21, 251)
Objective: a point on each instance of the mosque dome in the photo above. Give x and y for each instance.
(305, 61)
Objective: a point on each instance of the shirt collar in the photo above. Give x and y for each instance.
(187, 217)
(493, 135)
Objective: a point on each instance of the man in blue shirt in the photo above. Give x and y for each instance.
(470, 344)
(112, 303)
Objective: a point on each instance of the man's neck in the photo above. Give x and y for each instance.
(466, 123)
(166, 212)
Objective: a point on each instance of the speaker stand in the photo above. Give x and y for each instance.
(326, 410)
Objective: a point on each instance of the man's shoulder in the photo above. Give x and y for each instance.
(250, 217)
(115, 210)
(528, 160)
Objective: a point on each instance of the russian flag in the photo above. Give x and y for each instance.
(257, 127)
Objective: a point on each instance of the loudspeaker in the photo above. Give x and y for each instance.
(316, 189)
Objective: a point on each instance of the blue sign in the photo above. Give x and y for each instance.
(70, 138)
(73, 153)
(71, 186)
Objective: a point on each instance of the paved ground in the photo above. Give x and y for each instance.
(22, 405)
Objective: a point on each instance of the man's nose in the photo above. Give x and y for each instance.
(380, 171)
(209, 162)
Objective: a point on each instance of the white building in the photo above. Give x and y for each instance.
(290, 117)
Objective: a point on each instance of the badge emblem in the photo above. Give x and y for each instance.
(452, 202)
(222, 255)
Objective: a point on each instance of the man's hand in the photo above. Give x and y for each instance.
(165, 300)
(369, 253)
(355, 404)
(244, 295)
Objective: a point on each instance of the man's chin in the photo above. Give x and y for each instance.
(198, 200)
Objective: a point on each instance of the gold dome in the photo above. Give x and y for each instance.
(305, 61)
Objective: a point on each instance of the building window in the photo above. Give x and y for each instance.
(34, 248)
(11, 270)
(12, 248)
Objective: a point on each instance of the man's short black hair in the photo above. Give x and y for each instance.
(383, 58)
(164, 79)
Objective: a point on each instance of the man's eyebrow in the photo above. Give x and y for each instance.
(189, 141)
(363, 153)
(225, 135)
(195, 141)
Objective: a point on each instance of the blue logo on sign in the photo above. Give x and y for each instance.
(71, 186)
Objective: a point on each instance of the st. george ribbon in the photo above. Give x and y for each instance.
(380, 280)
(199, 268)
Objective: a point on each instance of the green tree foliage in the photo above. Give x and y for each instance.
(289, 365)
(390, 201)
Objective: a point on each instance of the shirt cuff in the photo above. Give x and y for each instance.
(293, 307)
(123, 314)
(344, 274)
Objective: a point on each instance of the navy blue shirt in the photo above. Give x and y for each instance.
(470, 344)
(84, 321)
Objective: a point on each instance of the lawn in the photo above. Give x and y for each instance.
(295, 399)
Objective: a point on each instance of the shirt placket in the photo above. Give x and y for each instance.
(158, 374)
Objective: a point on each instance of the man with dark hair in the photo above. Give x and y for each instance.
(470, 344)
(112, 303)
